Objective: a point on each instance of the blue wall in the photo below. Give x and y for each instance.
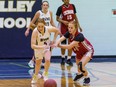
(13, 42)
(95, 17)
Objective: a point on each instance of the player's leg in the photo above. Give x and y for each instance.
(36, 76)
(63, 53)
(87, 57)
(47, 64)
(69, 56)
(31, 62)
(82, 69)
(38, 60)
(79, 74)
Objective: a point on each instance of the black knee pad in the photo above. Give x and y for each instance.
(80, 67)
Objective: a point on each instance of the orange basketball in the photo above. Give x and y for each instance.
(50, 83)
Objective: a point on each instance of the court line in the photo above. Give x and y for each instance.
(103, 72)
(19, 65)
(89, 70)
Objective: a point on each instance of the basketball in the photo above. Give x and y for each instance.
(50, 83)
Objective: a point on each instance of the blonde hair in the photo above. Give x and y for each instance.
(39, 20)
(74, 23)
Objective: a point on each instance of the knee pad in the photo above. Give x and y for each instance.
(80, 67)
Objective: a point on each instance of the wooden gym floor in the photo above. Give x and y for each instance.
(16, 73)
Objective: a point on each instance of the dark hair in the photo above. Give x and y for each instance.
(45, 1)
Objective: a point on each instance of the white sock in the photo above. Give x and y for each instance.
(63, 56)
(69, 57)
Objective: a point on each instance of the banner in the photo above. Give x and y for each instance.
(15, 16)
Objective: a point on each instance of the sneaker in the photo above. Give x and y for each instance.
(33, 85)
(35, 78)
(63, 61)
(31, 72)
(69, 62)
(78, 77)
(31, 64)
(45, 76)
(86, 81)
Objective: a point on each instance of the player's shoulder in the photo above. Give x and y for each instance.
(35, 30)
(38, 12)
(80, 35)
(50, 12)
(60, 7)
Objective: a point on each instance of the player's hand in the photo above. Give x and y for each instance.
(65, 23)
(60, 34)
(80, 29)
(27, 32)
(46, 46)
(58, 45)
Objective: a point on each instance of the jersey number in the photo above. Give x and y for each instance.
(47, 24)
(69, 17)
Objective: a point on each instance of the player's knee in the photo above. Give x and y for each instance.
(80, 66)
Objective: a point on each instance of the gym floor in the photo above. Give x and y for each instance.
(16, 73)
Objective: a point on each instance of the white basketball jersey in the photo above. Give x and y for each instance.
(46, 17)
(43, 39)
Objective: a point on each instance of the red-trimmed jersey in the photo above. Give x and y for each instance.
(83, 47)
(67, 13)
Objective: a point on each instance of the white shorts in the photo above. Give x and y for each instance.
(39, 54)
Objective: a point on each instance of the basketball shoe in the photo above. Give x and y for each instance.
(63, 61)
(69, 62)
(45, 76)
(35, 78)
(31, 64)
(86, 81)
(78, 77)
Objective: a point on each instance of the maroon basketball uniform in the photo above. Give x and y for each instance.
(84, 46)
(67, 13)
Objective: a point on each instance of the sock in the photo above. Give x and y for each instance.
(69, 57)
(63, 56)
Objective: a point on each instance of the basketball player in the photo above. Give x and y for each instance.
(40, 43)
(81, 47)
(66, 13)
(47, 16)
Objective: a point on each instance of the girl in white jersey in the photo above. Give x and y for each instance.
(40, 43)
(47, 16)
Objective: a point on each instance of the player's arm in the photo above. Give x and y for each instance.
(74, 43)
(32, 25)
(56, 32)
(76, 18)
(58, 13)
(33, 22)
(60, 40)
(52, 22)
(33, 41)
(69, 46)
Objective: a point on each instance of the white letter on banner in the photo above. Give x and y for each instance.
(1, 22)
(10, 7)
(21, 6)
(9, 23)
(28, 21)
(29, 5)
(2, 8)
(20, 23)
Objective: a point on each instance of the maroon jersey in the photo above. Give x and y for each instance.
(67, 13)
(83, 47)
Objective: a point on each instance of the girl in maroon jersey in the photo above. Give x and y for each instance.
(66, 13)
(81, 47)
